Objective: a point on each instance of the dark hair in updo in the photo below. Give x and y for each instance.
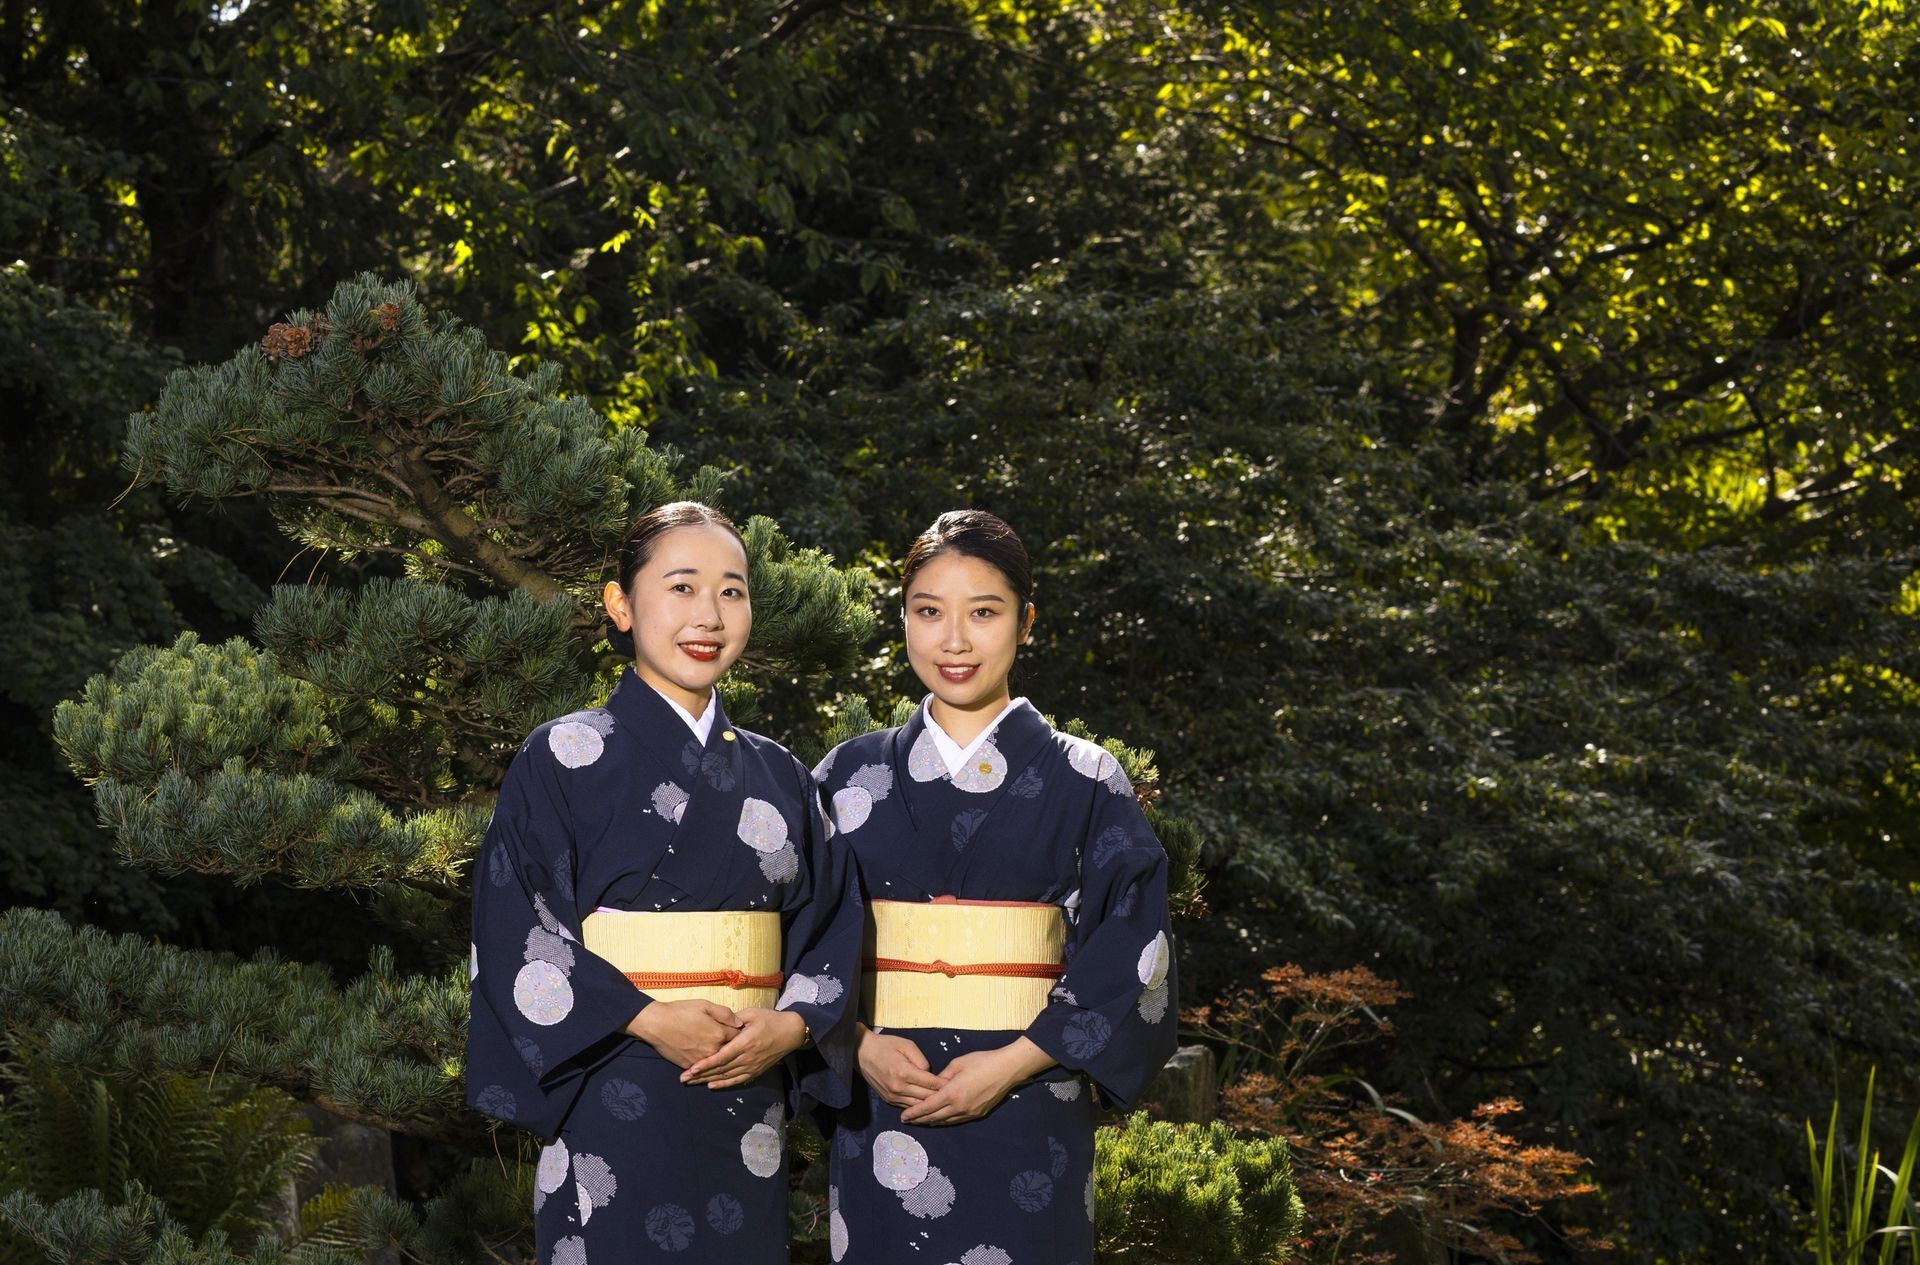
(636, 547)
(974, 534)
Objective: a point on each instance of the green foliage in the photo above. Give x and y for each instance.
(1186, 1192)
(428, 686)
(483, 1212)
(85, 1229)
(340, 406)
(217, 1153)
(386, 1049)
(1862, 1228)
(191, 709)
(81, 580)
(381, 429)
(207, 758)
(1647, 249)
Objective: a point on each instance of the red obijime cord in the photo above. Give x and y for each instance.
(1000, 970)
(698, 979)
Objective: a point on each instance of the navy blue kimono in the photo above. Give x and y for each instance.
(620, 807)
(1033, 815)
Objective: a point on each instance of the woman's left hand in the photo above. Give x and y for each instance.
(765, 1037)
(977, 1083)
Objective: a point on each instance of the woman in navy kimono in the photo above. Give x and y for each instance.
(966, 1144)
(667, 1117)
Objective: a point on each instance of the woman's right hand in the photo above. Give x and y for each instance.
(684, 1031)
(896, 1068)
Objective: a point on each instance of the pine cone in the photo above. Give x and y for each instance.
(287, 340)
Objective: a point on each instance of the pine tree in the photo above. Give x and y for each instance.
(357, 741)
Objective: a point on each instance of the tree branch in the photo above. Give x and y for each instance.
(453, 527)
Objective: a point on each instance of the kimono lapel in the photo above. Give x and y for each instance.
(1019, 740)
(658, 730)
(899, 743)
(947, 818)
(925, 862)
(704, 785)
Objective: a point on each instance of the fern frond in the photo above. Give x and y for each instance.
(216, 1155)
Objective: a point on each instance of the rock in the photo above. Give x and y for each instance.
(1187, 1090)
(349, 1154)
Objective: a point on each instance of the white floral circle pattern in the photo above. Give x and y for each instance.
(923, 759)
(899, 1162)
(762, 828)
(574, 744)
(551, 1173)
(542, 993)
(1088, 759)
(851, 808)
(760, 1150)
(1153, 961)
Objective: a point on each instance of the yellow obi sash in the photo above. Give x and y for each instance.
(981, 965)
(729, 956)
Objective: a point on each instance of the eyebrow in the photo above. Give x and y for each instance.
(727, 575)
(978, 597)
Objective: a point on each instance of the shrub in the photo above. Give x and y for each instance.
(1372, 1172)
(1189, 1192)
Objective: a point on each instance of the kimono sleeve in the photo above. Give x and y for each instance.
(543, 1008)
(1111, 1016)
(821, 948)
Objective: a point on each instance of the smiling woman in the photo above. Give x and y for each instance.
(1018, 961)
(659, 922)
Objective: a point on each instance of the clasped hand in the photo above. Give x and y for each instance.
(684, 1031)
(967, 1088)
(717, 1047)
(763, 1038)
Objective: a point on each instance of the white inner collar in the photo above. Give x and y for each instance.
(952, 754)
(703, 725)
